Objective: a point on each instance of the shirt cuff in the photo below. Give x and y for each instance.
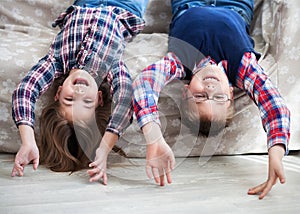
(145, 116)
(114, 131)
(279, 139)
(24, 122)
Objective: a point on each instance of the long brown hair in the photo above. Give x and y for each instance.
(66, 146)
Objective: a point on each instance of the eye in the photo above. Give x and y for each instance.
(88, 101)
(200, 96)
(220, 97)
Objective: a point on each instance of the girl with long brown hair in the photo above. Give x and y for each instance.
(88, 49)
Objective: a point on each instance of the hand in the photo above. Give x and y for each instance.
(276, 171)
(25, 155)
(160, 161)
(98, 170)
(160, 158)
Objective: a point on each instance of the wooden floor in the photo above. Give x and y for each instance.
(216, 185)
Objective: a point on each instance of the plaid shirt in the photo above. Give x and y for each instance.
(92, 39)
(251, 78)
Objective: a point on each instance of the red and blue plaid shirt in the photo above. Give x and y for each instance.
(92, 39)
(251, 78)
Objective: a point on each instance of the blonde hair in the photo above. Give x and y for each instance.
(66, 146)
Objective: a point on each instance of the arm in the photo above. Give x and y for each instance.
(275, 118)
(24, 97)
(120, 119)
(147, 87)
(109, 63)
(33, 85)
(122, 110)
(274, 113)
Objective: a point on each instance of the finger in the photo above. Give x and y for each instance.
(92, 172)
(169, 177)
(14, 172)
(168, 173)
(17, 164)
(172, 162)
(93, 164)
(20, 172)
(19, 169)
(162, 180)
(281, 176)
(156, 174)
(257, 189)
(35, 163)
(161, 177)
(267, 189)
(15, 169)
(149, 172)
(105, 178)
(96, 176)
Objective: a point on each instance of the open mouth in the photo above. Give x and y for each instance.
(80, 81)
(210, 78)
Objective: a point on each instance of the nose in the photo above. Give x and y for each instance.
(210, 87)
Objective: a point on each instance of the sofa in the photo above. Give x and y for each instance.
(26, 32)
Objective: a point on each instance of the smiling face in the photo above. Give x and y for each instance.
(78, 96)
(214, 82)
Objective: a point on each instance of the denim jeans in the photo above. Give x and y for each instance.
(136, 7)
(243, 7)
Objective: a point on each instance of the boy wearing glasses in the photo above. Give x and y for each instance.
(210, 45)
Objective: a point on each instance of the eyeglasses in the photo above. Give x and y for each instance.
(201, 97)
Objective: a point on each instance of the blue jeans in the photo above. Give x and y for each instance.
(243, 7)
(136, 7)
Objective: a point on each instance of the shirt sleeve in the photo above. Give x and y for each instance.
(122, 110)
(24, 97)
(274, 113)
(148, 85)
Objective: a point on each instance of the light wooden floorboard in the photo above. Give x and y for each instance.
(215, 185)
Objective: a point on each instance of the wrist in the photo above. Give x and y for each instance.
(108, 141)
(152, 133)
(278, 150)
(27, 135)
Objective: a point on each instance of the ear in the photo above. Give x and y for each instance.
(100, 99)
(185, 90)
(231, 92)
(56, 97)
(231, 96)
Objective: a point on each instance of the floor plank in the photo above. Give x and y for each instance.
(200, 185)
